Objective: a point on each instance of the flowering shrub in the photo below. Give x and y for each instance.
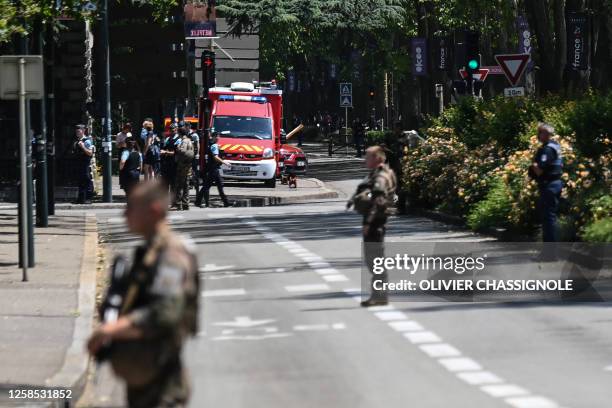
(484, 179)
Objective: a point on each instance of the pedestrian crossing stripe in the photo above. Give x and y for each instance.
(247, 148)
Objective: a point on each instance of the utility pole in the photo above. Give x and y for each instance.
(107, 176)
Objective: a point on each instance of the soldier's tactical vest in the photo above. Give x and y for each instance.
(140, 362)
(362, 200)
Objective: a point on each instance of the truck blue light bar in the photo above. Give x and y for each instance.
(243, 98)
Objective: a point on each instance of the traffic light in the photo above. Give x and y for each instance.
(472, 52)
(208, 71)
(371, 94)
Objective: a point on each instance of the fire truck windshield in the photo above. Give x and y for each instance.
(243, 127)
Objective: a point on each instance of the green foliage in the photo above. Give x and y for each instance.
(475, 159)
(375, 137)
(599, 231)
(502, 120)
(591, 120)
(493, 211)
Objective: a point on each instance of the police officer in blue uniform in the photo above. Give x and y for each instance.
(84, 152)
(213, 176)
(547, 170)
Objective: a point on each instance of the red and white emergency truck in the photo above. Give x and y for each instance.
(248, 121)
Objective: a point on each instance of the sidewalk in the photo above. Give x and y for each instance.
(244, 194)
(44, 322)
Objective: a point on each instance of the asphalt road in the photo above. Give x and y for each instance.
(281, 325)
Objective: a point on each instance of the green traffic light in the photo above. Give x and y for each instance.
(473, 64)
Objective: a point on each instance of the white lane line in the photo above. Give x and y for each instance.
(460, 364)
(504, 390)
(326, 271)
(215, 268)
(422, 337)
(307, 287)
(479, 377)
(335, 278)
(296, 251)
(311, 258)
(531, 402)
(440, 350)
(223, 292)
(319, 327)
(390, 315)
(405, 325)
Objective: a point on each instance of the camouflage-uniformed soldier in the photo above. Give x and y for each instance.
(159, 309)
(184, 155)
(373, 199)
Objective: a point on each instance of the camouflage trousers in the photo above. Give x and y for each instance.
(181, 198)
(170, 390)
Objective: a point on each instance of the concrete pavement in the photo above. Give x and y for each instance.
(45, 321)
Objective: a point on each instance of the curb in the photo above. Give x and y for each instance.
(73, 374)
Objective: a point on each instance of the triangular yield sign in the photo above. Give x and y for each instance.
(346, 90)
(480, 75)
(513, 66)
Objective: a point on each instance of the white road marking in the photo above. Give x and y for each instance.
(307, 287)
(608, 368)
(459, 364)
(504, 390)
(405, 325)
(311, 258)
(244, 322)
(215, 268)
(299, 251)
(531, 402)
(380, 308)
(335, 278)
(315, 265)
(223, 292)
(440, 350)
(422, 337)
(319, 327)
(326, 271)
(390, 315)
(253, 336)
(479, 377)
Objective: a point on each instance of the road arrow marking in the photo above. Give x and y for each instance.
(244, 322)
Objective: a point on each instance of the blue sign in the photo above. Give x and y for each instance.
(419, 56)
(346, 101)
(346, 88)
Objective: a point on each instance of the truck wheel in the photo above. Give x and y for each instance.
(271, 183)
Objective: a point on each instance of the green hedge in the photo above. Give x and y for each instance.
(474, 164)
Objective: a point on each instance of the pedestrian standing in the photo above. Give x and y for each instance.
(126, 131)
(84, 152)
(168, 163)
(547, 169)
(213, 175)
(195, 168)
(151, 150)
(130, 166)
(373, 199)
(159, 309)
(184, 155)
(358, 136)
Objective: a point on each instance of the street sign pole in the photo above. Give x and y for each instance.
(346, 129)
(21, 79)
(23, 225)
(107, 150)
(42, 197)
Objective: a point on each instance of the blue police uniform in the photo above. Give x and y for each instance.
(213, 176)
(84, 175)
(550, 161)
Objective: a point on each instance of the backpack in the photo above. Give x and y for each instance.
(185, 152)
